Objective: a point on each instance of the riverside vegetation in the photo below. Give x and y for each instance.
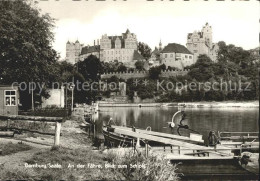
(76, 159)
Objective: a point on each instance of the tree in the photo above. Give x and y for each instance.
(202, 70)
(26, 47)
(154, 72)
(90, 68)
(25, 43)
(139, 65)
(121, 68)
(145, 50)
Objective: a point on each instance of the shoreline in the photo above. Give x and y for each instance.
(223, 104)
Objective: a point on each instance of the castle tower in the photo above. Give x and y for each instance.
(160, 46)
(207, 34)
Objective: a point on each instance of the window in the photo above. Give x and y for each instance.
(10, 98)
(171, 55)
(165, 56)
(190, 57)
(195, 51)
(186, 56)
(195, 45)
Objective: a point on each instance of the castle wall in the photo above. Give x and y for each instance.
(143, 74)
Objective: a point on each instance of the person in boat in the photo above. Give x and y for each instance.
(213, 139)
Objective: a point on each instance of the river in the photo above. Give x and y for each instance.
(202, 120)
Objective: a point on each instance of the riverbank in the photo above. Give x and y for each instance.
(223, 104)
(43, 161)
(33, 157)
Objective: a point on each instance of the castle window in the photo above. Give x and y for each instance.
(186, 56)
(165, 56)
(190, 57)
(171, 55)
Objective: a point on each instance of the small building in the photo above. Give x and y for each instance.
(56, 98)
(9, 100)
(176, 55)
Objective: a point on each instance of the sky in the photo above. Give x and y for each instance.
(235, 22)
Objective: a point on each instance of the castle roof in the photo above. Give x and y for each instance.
(127, 31)
(90, 49)
(68, 42)
(156, 51)
(113, 39)
(176, 48)
(137, 56)
(199, 33)
(77, 41)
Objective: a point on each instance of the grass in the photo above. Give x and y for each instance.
(11, 148)
(156, 169)
(66, 157)
(139, 167)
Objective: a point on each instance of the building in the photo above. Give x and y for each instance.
(176, 55)
(90, 50)
(73, 51)
(122, 48)
(155, 60)
(9, 100)
(56, 98)
(200, 42)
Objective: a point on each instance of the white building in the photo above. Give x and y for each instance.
(176, 55)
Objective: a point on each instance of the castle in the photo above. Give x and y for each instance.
(121, 48)
(73, 51)
(124, 48)
(201, 43)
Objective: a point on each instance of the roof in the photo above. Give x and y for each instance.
(176, 48)
(68, 42)
(90, 49)
(113, 40)
(156, 51)
(137, 56)
(200, 34)
(77, 41)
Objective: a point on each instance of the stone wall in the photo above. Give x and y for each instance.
(143, 74)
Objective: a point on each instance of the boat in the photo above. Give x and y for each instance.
(116, 139)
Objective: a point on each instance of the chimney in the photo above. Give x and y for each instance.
(94, 42)
(97, 41)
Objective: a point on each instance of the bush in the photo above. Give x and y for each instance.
(151, 168)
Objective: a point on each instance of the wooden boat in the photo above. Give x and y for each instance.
(113, 139)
